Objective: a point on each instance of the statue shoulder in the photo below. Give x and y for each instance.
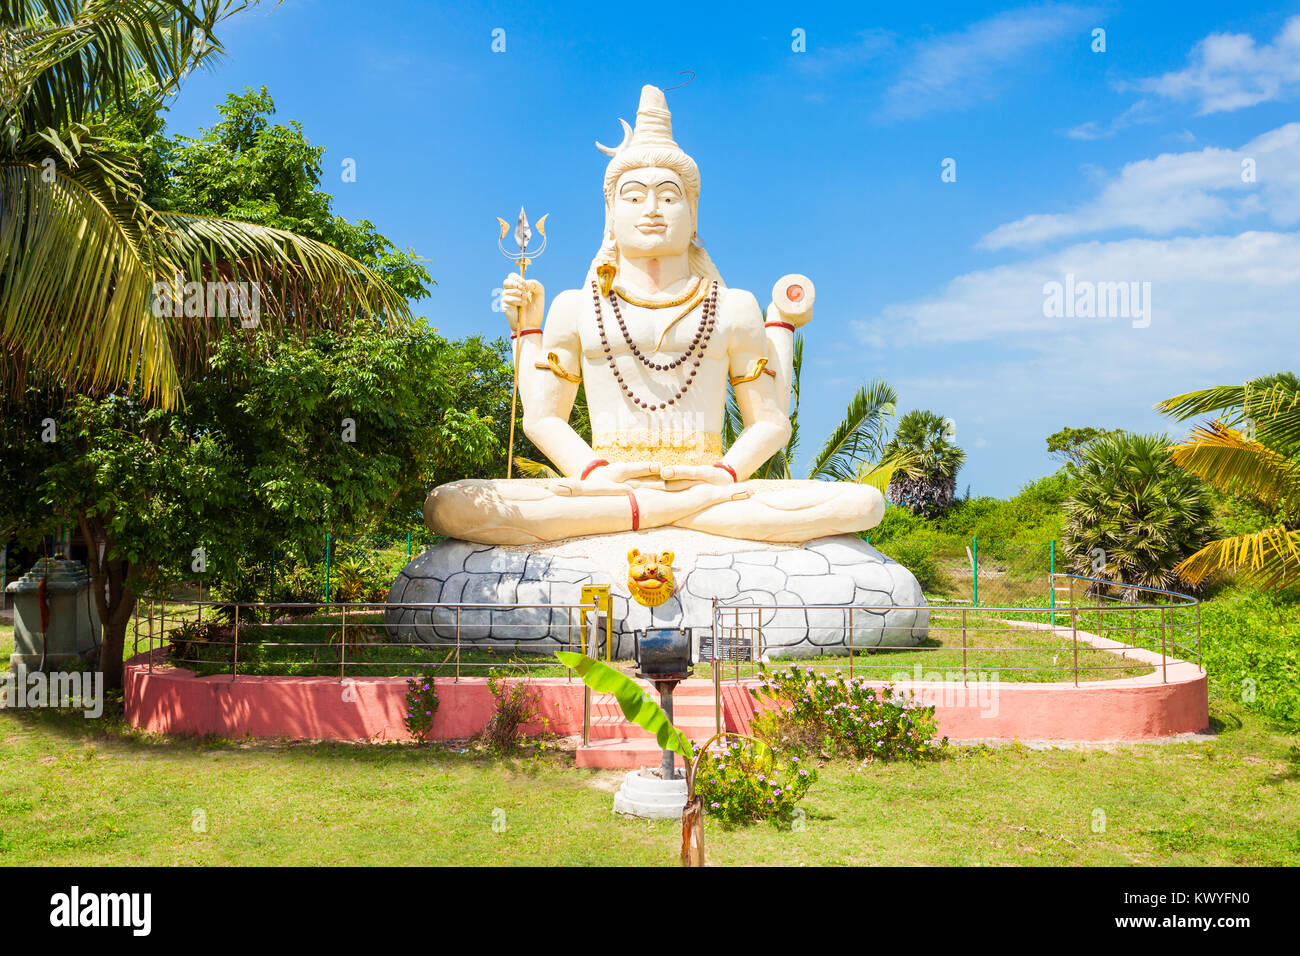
(565, 311)
(739, 307)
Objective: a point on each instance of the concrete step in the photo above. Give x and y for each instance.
(610, 727)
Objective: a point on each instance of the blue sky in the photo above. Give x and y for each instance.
(1128, 165)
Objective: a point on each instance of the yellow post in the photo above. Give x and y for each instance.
(599, 593)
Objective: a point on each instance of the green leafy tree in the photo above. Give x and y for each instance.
(1069, 444)
(928, 485)
(276, 444)
(1134, 515)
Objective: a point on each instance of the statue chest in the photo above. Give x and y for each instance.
(668, 338)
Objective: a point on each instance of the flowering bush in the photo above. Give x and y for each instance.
(748, 782)
(844, 716)
(516, 704)
(421, 706)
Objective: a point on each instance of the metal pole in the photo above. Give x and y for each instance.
(717, 688)
(457, 680)
(666, 701)
(850, 643)
(1051, 579)
(343, 645)
(1198, 635)
(327, 568)
(1074, 626)
(975, 568)
(234, 663)
(1164, 650)
(408, 545)
(963, 647)
(586, 714)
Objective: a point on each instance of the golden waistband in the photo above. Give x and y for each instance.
(667, 448)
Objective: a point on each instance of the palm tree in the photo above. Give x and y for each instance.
(853, 451)
(927, 488)
(1251, 450)
(82, 255)
(1134, 515)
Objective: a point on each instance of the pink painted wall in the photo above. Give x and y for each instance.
(173, 701)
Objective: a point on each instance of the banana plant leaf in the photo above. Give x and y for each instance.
(635, 702)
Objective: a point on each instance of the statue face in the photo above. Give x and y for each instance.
(651, 215)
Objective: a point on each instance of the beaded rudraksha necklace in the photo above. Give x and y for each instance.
(699, 342)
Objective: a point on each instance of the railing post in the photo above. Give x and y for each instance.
(963, 647)
(1074, 627)
(234, 660)
(1164, 649)
(343, 645)
(586, 714)
(850, 643)
(457, 680)
(1051, 578)
(328, 542)
(975, 568)
(1198, 636)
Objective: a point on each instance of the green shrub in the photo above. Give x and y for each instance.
(1135, 514)
(1251, 650)
(843, 716)
(515, 705)
(917, 552)
(748, 783)
(421, 707)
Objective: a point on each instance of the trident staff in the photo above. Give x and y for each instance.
(524, 258)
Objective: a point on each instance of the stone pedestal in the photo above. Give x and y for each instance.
(814, 583)
(644, 793)
(72, 637)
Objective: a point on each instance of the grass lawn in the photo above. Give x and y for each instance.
(79, 792)
(74, 792)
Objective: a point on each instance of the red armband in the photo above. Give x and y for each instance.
(636, 512)
(523, 332)
(592, 466)
(727, 468)
(779, 325)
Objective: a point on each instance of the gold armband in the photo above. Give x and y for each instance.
(759, 365)
(552, 364)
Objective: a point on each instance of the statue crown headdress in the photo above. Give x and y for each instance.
(654, 124)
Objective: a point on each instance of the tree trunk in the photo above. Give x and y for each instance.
(115, 599)
(693, 832)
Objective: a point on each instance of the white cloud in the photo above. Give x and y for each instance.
(953, 69)
(1201, 288)
(1225, 309)
(1230, 71)
(1193, 190)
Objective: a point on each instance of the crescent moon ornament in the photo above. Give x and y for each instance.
(627, 135)
(505, 227)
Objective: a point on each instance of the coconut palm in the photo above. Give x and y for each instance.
(82, 255)
(928, 486)
(1134, 515)
(1251, 450)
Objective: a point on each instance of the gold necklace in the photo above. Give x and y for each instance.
(647, 304)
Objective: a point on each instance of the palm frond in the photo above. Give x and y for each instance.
(1267, 559)
(1238, 466)
(62, 61)
(78, 279)
(528, 468)
(878, 474)
(858, 434)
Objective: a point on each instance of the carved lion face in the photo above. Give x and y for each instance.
(650, 577)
